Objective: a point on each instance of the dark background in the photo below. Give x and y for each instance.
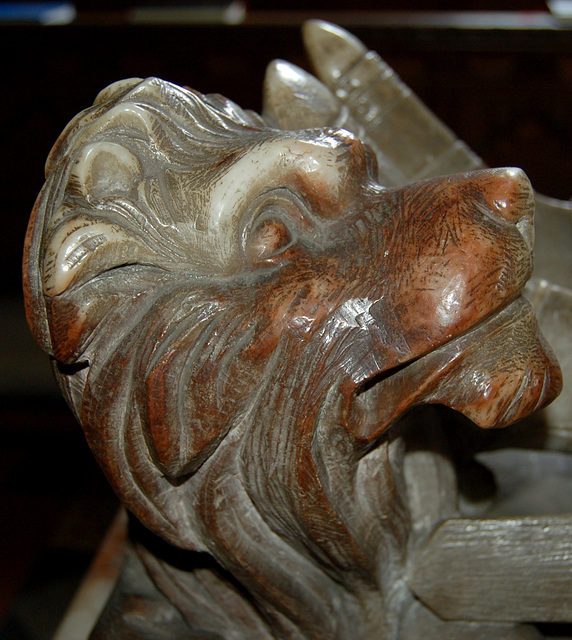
(506, 90)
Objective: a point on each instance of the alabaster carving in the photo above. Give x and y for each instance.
(240, 309)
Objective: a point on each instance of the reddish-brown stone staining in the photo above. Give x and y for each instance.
(429, 288)
(297, 305)
(226, 160)
(159, 409)
(269, 238)
(69, 325)
(189, 407)
(323, 524)
(448, 285)
(494, 374)
(32, 279)
(508, 194)
(444, 285)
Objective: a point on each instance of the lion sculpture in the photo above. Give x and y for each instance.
(238, 315)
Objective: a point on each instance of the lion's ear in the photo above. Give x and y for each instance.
(104, 170)
(82, 246)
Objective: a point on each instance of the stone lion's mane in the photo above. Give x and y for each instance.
(133, 306)
(146, 345)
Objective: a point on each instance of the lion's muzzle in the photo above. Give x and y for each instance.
(462, 334)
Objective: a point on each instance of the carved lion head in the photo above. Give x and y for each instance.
(238, 314)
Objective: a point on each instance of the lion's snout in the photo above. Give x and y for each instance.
(450, 252)
(509, 198)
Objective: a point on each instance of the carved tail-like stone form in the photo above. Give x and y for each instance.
(238, 315)
(361, 93)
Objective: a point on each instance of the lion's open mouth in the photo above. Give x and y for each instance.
(497, 372)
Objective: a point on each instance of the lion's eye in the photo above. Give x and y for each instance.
(268, 239)
(273, 223)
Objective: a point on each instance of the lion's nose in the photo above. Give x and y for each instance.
(509, 195)
(506, 196)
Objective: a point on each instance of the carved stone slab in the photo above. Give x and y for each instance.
(483, 569)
